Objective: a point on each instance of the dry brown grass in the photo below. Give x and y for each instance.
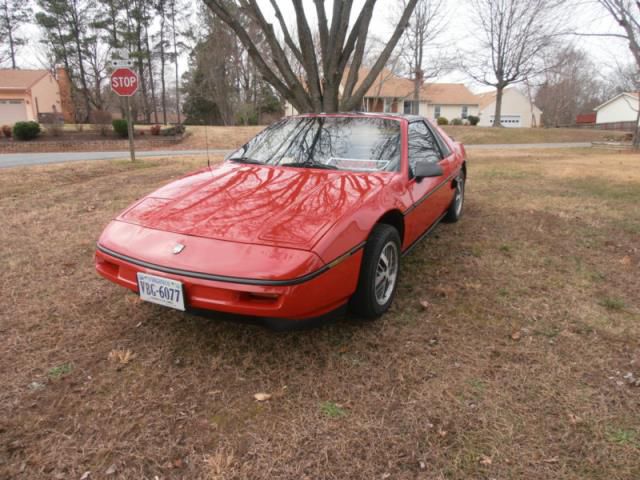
(233, 137)
(488, 135)
(514, 370)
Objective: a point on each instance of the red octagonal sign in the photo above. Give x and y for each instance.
(124, 82)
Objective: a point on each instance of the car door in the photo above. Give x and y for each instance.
(430, 196)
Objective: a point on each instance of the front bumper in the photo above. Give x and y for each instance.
(303, 297)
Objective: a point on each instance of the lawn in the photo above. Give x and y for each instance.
(232, 137)
(512, 350)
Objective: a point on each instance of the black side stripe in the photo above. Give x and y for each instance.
(429, 193)
(229, 279)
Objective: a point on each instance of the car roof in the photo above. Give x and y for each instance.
(384, 115)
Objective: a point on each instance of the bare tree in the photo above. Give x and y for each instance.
(424, 26)
(569, 87)
(627, 15)
(13, 15)
(515, 35)
(323, 70)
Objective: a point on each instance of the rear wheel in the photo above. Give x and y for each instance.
(455, 209)
(378, 273)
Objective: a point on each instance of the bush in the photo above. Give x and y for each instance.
(121, 127)
(456, 121)
(473, 120)
(26, 130)
(443, 121)
(6, 130)
(155, 130)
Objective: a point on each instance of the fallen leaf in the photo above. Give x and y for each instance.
(516, 336)
(484, 460)
(425, 304)
(444, 292)
(626, 260)
(111, 470)
(442, 432)
(85, 475)
(121, 356)
(262, 397)
(574, 419)
(177, 463)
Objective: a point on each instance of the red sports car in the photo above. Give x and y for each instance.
(312, 214)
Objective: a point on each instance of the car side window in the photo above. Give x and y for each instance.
(422, 146)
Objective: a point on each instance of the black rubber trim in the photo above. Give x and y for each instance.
(424, 234)
(228, 279)
(429, 193)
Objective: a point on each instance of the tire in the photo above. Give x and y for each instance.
(454, 212)
(370, 300)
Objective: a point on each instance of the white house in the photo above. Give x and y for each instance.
(517, 110)
(621, 108)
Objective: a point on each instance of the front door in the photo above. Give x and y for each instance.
(430, 196)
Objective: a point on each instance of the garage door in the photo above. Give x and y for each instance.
(12, 111)
(509, 120)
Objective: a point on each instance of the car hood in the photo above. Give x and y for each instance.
(256, 204)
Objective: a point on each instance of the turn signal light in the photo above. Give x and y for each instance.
(260, 297)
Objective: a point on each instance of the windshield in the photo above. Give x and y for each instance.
(341, 143)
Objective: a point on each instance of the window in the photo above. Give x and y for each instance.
(436, 111)
(465, 111)
(387, 104)
(344, 143)
(411, 107)
(423, 146)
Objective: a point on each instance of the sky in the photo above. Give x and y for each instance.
(583, 15)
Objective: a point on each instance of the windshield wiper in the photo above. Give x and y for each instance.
(310, 165)
(252, 161)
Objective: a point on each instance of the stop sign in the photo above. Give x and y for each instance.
(124, 82)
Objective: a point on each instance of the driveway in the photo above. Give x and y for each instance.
(29, 159)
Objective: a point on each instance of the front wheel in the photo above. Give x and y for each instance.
(454, 212)
(378, 274)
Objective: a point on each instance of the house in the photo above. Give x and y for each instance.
(395, 94)
(517, 109)
(30, 95)
(620, 112)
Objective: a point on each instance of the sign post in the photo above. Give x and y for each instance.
(124, 82)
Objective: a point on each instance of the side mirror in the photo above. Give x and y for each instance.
(426, 169)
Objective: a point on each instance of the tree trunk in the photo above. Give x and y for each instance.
(175, 53)
(83, 77)
(150, 67)
(163, 92)
(636, 131)
(497, 116)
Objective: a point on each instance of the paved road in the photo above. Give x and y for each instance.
(28, 159)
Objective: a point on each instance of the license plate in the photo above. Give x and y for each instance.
(162, 291)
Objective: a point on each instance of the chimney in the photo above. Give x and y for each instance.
(66, 100)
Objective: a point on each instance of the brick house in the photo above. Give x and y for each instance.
(34, 95)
